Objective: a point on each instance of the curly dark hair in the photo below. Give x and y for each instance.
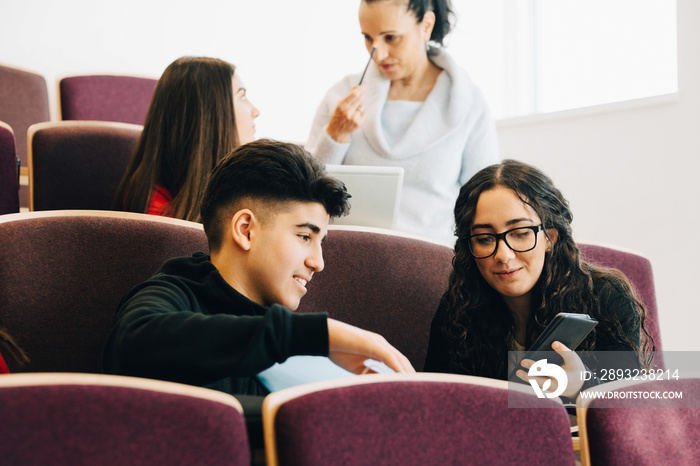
(481, 323)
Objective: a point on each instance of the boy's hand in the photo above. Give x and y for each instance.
(350, 346)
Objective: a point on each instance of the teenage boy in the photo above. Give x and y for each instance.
(218, 320)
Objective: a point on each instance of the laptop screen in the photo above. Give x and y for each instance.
(376, 193)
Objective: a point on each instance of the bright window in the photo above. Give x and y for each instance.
(534, 56)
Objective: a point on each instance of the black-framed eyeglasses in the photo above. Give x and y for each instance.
(520, 239)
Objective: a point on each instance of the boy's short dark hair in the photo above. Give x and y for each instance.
(272, 172)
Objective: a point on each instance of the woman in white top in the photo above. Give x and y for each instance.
(416, 108)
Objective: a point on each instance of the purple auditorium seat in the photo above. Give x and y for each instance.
(84, 419)
(640, 430)
(63, 274)
(423, 418)
(382, 281)
(638, 271)
(78, 164)
(9, 181)
(106, 98)
(24, 100)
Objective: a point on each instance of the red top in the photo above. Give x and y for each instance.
(160, 198)
(3, 367)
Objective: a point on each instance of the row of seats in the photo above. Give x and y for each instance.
(71, 164)
(377, 419)
(63, 273)
(455, 419)
(422, 418)
(24, 101)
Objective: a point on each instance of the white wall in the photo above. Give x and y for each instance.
(286, 78)
(628, 170)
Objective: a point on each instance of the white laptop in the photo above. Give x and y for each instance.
(376, 192)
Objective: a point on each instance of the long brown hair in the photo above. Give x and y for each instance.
(189, 127)
(482, 325)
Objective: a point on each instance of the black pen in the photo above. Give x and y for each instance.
(370, 61)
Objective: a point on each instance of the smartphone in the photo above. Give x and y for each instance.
(567, 328)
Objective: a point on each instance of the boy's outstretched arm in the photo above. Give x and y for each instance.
(350, 346)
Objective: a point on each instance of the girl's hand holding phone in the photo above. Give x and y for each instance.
(573, 367)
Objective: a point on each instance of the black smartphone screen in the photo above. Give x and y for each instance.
(569, 329)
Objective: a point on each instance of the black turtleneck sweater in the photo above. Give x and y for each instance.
(186, 324)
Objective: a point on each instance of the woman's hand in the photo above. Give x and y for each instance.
(573, 366)
(347, 116)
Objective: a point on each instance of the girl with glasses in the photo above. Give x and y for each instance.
(516, 266)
